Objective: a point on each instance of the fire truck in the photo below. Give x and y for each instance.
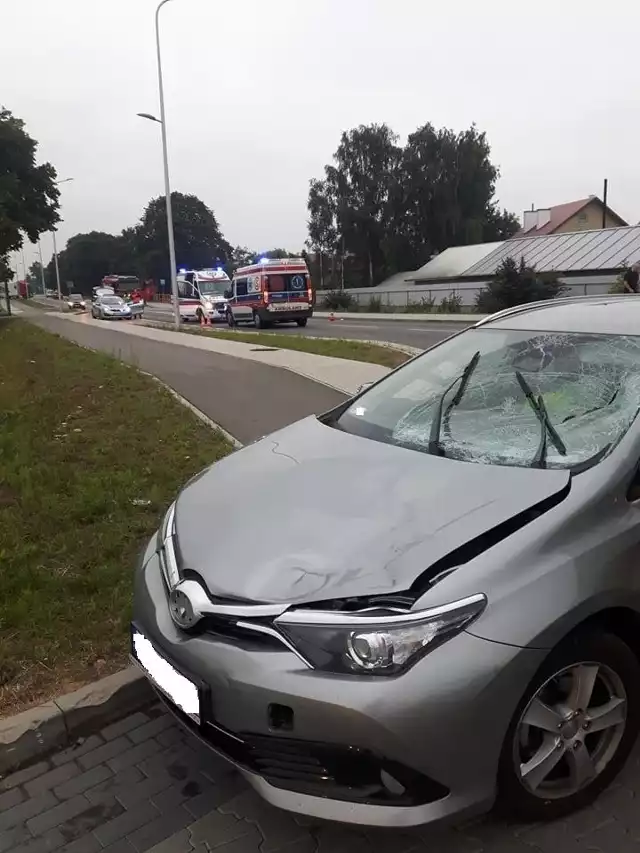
(124, 286)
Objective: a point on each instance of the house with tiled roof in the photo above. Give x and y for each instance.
(585, 214)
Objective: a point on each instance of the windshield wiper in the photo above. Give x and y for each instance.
(594, 409)
(538, 406)
(435, 448)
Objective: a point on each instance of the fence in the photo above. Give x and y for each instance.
(421, 296)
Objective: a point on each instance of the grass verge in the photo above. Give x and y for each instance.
(91, 454)
(334, 347)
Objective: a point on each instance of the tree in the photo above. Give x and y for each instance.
(392, 208)
(241, 257)
(356, 191)
(87, 258)
(28, 193)
(198, 239)
(516, 284)
(499, 224)
(34, 277)
(447, 183)
(322, 225)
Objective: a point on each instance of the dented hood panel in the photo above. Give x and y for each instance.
(312, 513)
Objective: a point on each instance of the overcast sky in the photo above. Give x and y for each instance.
(258, 92)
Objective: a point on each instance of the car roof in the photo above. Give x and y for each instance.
(607, 314)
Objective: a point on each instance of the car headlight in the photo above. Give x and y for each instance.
(375, 644)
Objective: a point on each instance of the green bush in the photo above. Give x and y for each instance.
(618, 284)
(451, 304)
(338, 300)
(516, 284)
(375, 305)
(426, 306)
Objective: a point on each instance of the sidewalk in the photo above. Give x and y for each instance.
(339, 373)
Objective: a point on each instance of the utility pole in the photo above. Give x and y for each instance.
(604, 203)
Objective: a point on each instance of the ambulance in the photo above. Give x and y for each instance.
(272, 291)
(202, 294)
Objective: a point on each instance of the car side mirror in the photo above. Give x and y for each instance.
(228, 294)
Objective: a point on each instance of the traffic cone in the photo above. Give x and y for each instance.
(331, 317)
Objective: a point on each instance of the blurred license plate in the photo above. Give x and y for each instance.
(288, 306)
(172, 683)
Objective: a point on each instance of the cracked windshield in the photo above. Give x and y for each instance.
(509, 398)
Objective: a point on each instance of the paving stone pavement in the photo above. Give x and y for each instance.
(143, 785)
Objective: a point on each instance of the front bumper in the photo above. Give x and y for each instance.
(437, 730)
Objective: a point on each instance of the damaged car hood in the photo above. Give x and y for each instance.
(311, 513)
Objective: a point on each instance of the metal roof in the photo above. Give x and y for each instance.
(454, 261)
(608, 249)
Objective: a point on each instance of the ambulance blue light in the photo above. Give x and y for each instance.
(263, 260)
(182, 270)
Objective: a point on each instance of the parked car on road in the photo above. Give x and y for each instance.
(76, 300)
(438, 606)
(110, 307)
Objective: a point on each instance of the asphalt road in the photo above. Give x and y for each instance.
(414, 334)
(249, 400)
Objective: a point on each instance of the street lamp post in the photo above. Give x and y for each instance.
(167, 187)
(55, 250)
(55, 260)
(44, 289)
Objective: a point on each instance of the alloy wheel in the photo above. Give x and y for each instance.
(570, 730)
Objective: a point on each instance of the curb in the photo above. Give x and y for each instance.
(396, 317)
(196, 411)
(57, 724)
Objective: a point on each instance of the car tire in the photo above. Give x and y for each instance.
(594, 756)
(258, 322)
(302, 322)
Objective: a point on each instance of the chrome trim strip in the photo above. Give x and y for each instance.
(203, 606)
(330, 618)
(170, 562)
(263, 629)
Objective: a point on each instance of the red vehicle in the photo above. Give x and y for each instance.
(23, 289)
(130, 286)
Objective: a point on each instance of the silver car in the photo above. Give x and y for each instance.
(428, 599)
(110, 308)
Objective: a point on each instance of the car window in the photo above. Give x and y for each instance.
(589, 386)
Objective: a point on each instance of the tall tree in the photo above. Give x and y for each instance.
(499, 224)
(359, 186)
(28, 193)
(199, 241)
(397, 207)
(322, 225)
(34, 277)
(88, 257)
